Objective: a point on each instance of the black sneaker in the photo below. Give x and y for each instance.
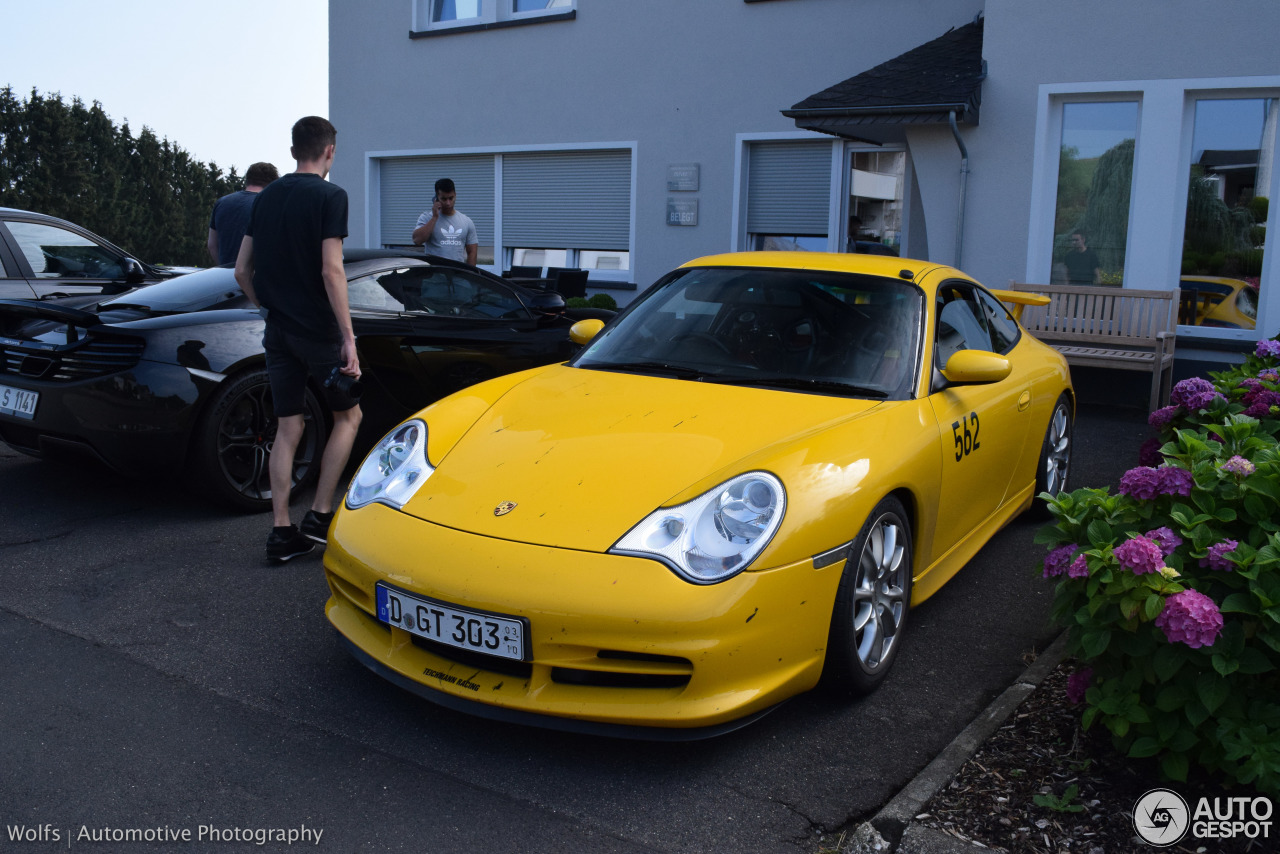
(315, 526)
(287, 543)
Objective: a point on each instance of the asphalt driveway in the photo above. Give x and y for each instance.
(158, 675)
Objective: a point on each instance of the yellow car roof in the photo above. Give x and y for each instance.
(851, 262)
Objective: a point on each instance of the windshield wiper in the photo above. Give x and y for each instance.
(800, 383)
(647, 367)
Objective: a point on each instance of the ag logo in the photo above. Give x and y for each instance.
(504, 508)
(1161, 817)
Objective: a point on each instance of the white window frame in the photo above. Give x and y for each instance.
(491, 12)
(1161, 176)
(501, 253)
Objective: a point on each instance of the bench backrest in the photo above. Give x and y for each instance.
(1099, 315)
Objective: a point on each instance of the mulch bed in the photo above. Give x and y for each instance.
(1041, 750)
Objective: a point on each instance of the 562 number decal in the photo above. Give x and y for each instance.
(966, 435)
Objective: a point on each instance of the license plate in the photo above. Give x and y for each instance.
(18, 401)
(491, 634)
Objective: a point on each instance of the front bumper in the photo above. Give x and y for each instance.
(615, 642)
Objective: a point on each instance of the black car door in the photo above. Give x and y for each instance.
(56, 261)
(426, 332)
(13, 284)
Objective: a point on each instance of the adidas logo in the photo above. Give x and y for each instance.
(451, 231)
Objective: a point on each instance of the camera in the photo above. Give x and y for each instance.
(344, 383)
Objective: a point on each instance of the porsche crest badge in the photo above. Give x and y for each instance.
(504, 508)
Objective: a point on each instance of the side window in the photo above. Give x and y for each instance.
(1004, 329)
(488, 299)
(960, 323)
(378, 293)
(55, 253)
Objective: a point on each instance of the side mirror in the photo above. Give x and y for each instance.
(976, 366)
(584, 330)
(133, 272)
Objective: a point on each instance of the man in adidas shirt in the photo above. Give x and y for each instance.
(445, 232)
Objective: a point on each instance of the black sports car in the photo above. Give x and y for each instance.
(43, 256)
(171, 376)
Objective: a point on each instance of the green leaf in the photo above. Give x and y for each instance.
(1239, 603)
(1225, 666)
(1254, 661)
(1167, 661)
(1196, 712)
(1095, 643)
(1174, 765)
(1100, 533)
(1212, 690)
(1144, 747)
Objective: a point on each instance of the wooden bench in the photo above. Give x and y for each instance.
(1103, 327)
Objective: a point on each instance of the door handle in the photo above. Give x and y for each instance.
(1024, 401)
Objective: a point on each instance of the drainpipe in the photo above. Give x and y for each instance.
(964, 183)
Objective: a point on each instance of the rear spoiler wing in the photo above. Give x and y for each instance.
(1015, 300)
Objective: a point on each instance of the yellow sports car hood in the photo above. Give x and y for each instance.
(574, 458)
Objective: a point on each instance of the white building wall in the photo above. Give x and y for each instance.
(680, 79)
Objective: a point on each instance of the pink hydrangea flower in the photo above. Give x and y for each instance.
(1267, 348)
(1055, 563)
(1162, 416)
(1139, 555)
(1079, 568)
(1194, 393)
(1077, 684)
(1217, 559)
(1165, 538)
(1190, 617)
(1238, 466)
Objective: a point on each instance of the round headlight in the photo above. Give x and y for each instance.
(716, 535)
(394, 469)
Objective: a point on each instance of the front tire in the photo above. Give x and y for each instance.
(872, 603)
(234, 438)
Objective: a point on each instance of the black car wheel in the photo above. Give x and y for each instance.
(1055, 455)
(871, 603)
(234, 438)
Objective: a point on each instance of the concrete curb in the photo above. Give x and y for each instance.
(892, 828)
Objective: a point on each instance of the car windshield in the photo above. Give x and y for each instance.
(190, 292)
(805, 330)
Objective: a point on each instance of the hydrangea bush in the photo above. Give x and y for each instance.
(1170, 589)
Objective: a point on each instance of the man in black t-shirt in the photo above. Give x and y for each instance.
(231, 214)
(290, 264)
(1082, 262)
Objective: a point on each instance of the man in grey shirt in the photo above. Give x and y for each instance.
(445, 232)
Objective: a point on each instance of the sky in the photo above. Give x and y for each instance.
(224, 81)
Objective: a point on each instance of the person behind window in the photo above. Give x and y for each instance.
(231, 214)
(1082, 262)
(444, 231)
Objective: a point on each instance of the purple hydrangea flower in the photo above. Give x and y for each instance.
(1079, 568)
(1260, 403)
(1217, 559)
(1249, 384)
(1140, 483)
(1149, 454)
(1140, 555)
(1055, 563)
(1190, 617)
(1238, 466)
(1194, 394)
(1162, 416)
(1171, 480)
(1271, 376)
(1165, 538)
(1077, 684)
(1266, 348)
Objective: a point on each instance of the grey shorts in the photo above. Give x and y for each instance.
(290, 358)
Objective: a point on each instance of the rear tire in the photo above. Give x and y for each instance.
(872, 604)
(1055, 456)
(233, 440)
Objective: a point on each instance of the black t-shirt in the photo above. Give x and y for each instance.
(1080, 266)
(288, 222)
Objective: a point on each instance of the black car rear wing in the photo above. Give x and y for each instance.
(29, 310)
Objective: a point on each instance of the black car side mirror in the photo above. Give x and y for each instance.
(133, 272)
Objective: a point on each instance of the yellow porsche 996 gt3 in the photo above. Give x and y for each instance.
(735, 491)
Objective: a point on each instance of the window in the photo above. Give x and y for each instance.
(442, 15)
(1233, 150)
(960, 323)
(55, 253)
(788, 195)
(1004, 329)
(408, 186)
(1095, 181)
